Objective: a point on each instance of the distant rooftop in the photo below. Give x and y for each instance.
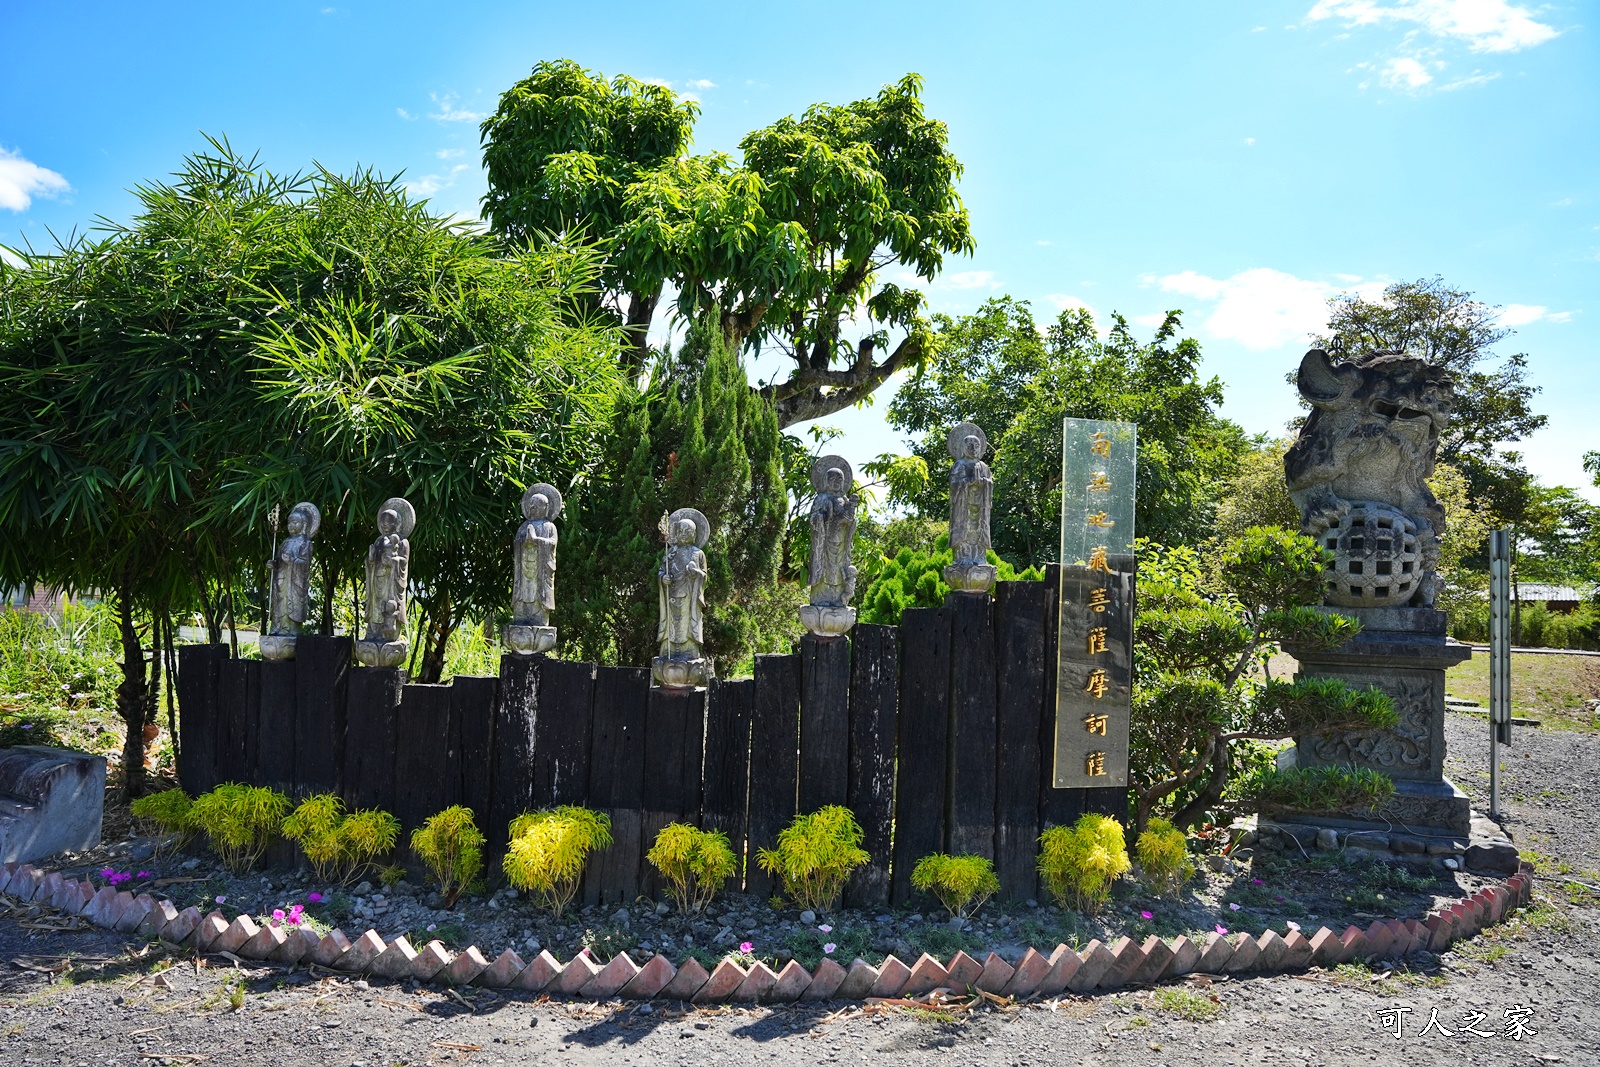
(1540, 591)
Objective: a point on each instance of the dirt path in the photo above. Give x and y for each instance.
(116, 1013)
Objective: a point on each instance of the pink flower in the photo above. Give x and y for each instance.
(746, 947)
(222, 900)
(314, 898)
(828, 948)
(1257, 881)
(1233, 907)
(106, 872)
(1221, 929)
(277, 914)
(1147, 915)
(825, 928)
(144, 874)
(432, 927)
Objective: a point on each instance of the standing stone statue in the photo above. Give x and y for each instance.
(680, 629)
(533, 592)
(388, 569)
(291, 583)
(971, 497)
(833, 534)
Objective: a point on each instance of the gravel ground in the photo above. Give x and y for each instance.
(111, 1007)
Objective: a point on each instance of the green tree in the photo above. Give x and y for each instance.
(785, 247)
(1201, 635)
(1256, 494)
(995, 368)
(914, 578)
(699, 437)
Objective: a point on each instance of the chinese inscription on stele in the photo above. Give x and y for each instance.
(1095, 657)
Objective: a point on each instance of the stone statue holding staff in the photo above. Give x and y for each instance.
(681, 583)
(388, 571)
(833, 532)
(291, 583)
(533, 591)
(971, 499)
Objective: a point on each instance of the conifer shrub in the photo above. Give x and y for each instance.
(170, 811)
(915, 579)
(1079, 863)
(815, 856)
(694, 862)
(1358, 790)
(341, 847)
(240, 821)
(962, 883)
(451, 845)
(548, 849)
(1163, 852)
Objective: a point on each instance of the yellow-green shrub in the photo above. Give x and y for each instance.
(694, 862)
(340, 847)
(815, 855)
(169, 810)
(962, 883)
(1080, 862)
(240, 821)
(451, 844)
(548, 849)
(1163, 852)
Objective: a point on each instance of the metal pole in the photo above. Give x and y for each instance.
(1499, 658)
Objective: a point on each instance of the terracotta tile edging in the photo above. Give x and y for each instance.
(1096, 966)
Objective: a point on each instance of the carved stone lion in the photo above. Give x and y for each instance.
(1363, 456)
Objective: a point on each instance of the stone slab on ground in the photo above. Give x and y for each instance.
(51, 800)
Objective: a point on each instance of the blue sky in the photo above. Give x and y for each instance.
(1238, 161)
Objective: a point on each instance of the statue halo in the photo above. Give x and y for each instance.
(312, 514)
(960, 432)
(550, 493)
(702, 527)
(401, 507)
(821, 467)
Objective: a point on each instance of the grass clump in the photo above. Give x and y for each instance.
(1079, 863)
(1316, 789)
(341, 847)
(815, 856)
(1183, 1003)
(170, 811)
(240, 821)
(694, 862)
(451, 845)
(962, 883)
(548, 849)
(1163, 851)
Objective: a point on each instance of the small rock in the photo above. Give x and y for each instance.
(1219, 863)
(1032, 903)
(361, 983)
(189, 865)
(362, 889)
(957, 922)
(160, 982)
(808, 917)
(645, 1009)
(510, 894)
(662, 908)
(1327, 839)
(622, 918)
(1451, 863)
(532, 945)
(915, 919)
(884, 919)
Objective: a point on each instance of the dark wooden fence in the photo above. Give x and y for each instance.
(937, 733)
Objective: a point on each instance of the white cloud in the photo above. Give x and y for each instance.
(426, 185)
(1526, 314)
(450, 153)
(1043, 243)
(1560, 316)
(1249, 141)
(1483, 25)
(1150, 322)
(968, 279)
(701, 83)
(1475, 78)
(1565, 201)
(1264, 308)
(450, 112)
(10, 258)
(1404, 72)
(1064, 302)
(403, 113)
(21, 180)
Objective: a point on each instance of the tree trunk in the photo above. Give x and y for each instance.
(133, 698)
(435, 639)
(330, 583)
(1221, 764)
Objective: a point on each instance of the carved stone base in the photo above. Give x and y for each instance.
(827, 621)
(528, 640)
(970, 577)
(382, 653)
(278, 646)
(680, 673)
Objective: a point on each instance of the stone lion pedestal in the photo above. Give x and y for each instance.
(1403, 652)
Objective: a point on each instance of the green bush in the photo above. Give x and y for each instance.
(694, 862)
(170, 810)
(341, 847)
(1163, 852)
(916, 580)
(962, 883)
(1356, 789)
(815, 855)
(240, 821)
(548, 849)
(451, 844)
(1079, 863)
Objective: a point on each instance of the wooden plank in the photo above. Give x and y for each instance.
(824, 721)
(774, 760)
(276, 727)
(729, 706)
(1057, 807)
(199, 715)
(421, 761)
(472, 704)
(972, 725)
(1022, 612)
(516, 712)
(874, 712)
(921, 786)
(372, 698)
(322, 676)
(616, 780)
(561, 733)
(240, 698)
(674, 751)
